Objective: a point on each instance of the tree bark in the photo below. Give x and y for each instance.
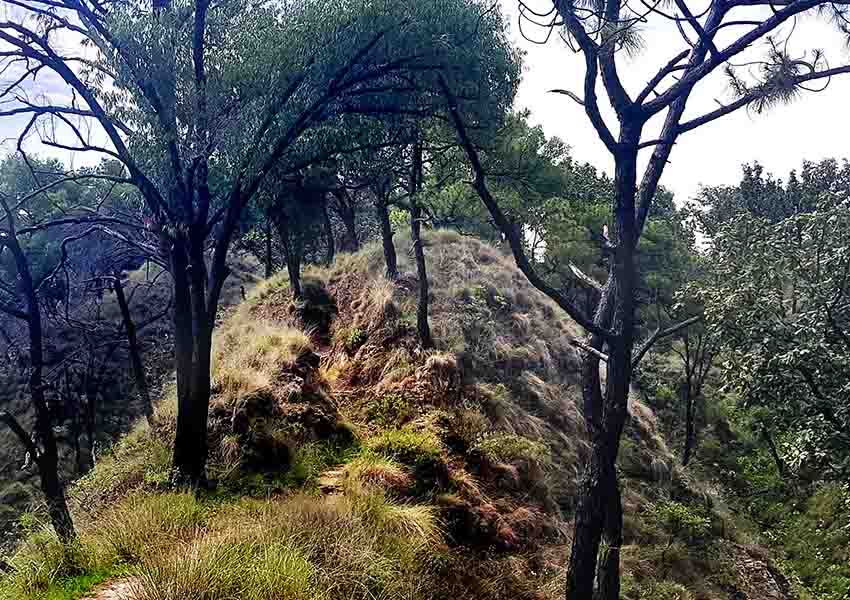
(344, 206)
(134, 350)
(43, 448)
(599, 512)
(292, 255)
(383, 215)
(690, 430)
(269, 258)
(774, 452)
(423, 328)
(192, 347)
(329, 234)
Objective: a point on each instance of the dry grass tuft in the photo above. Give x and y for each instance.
(250, 357)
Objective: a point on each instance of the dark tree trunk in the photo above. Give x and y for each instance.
(390, 258)
(192, 348)
(422, 326)
(43, 448)
(599, 511)
(329, 235)
(269, 258)
(690, 429)
(134, 350)
(344, 208)
(780, 464)
(292, 255)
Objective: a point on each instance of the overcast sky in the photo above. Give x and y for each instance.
(814, 127)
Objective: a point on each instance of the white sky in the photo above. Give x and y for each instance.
(816, 126)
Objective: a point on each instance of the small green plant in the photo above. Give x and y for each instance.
(351, 338)
(408, 446)
(508, 447)
(389, 409)
(681, 521)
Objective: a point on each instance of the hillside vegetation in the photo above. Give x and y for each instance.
(352, 464)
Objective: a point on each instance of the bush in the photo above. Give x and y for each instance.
(681, 521)
(409, 446)
(389, 409)
(41, 562)
(508, 447)
(140, 460)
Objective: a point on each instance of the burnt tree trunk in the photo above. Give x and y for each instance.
(42, 444)
(134, 350)
(383, 214)
(599, 512)
(269, 257)
(330, 243)
(423, 328)
(690, 429)
(344, 208)
(190, 442)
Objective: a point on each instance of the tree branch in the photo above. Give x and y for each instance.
(660, 334)
(506, 226)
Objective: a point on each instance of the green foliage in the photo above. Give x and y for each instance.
(312, 459)
(352, 338)
(389, 409)
(682, 521)
(420, 448)
(508, 447)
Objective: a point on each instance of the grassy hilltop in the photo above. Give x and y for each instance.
(352, 464)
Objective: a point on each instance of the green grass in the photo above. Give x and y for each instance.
(77, 587)
(408, 445)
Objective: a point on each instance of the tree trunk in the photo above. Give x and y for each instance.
(422, 326)
(690, 430)
(780, 464)
(269, 263)
(345, 210)
(292, 256)
(134, 350)
(599, 511)
(390, 258)
(190, 442)
(43, 447)
(329, 234)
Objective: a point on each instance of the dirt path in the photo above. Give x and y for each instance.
(117, 589)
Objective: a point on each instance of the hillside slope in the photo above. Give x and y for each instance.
(353, 464)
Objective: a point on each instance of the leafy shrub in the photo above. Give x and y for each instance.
(407, 445)
(352, 338)
(508, 447)
(389, 409)
(681, 521)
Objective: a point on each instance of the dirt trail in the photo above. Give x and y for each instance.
(116, 589)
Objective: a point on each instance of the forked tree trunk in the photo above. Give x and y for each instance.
(423, 328)
(383, 214)
(599, 514)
